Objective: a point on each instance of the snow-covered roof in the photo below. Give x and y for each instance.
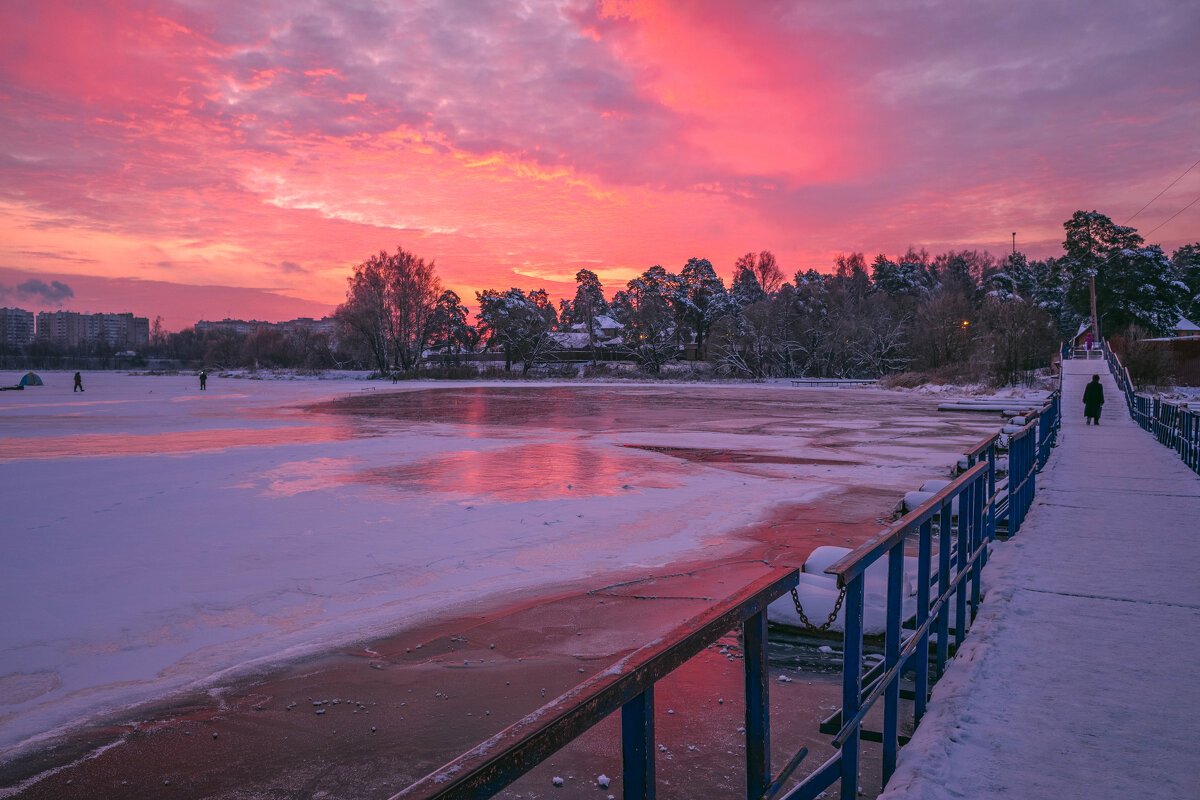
(1185, 324)
(565, 339)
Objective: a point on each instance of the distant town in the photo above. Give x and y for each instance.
(72, 329)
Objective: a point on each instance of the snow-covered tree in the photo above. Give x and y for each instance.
(1141, 288)
(589, 305)
(906, 278)
(1094, 245)
(1011, 278)
(1186, 261)
(700, 298)
(448, 325)
(518, 323)
(745, 290)
(645, 309)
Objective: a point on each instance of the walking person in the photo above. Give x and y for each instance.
(203, 379)
(1093, 399)
(78, 383)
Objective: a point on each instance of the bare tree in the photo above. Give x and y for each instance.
(388, 305)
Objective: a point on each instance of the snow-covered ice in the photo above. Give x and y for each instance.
(159, 538)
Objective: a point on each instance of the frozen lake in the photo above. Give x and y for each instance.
(158, 538)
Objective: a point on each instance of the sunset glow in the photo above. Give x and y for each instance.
(202, 159)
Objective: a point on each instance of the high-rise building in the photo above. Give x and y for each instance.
(70, 328)
(16, 327)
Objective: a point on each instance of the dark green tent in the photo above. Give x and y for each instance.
(31, 379)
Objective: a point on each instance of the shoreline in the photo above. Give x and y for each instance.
(547, 640)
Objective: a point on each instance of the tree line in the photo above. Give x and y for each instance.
(956, 313)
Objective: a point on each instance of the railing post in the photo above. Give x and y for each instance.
(921, 656)
(758, 724)
(943, 623)
(964, 548)
(977, 540)
(1034, 465)
(637, 746)
(891, 657)
(1014, 473)
(852, 685)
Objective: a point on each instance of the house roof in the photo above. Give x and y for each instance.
(1185, 324)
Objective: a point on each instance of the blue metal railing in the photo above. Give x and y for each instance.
(1174, 425)
(948, 585)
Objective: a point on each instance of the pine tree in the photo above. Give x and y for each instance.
(1186, 261)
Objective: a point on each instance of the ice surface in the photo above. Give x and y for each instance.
(159, 538)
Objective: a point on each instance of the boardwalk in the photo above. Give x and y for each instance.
(1081, 676)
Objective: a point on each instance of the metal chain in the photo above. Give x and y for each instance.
(833, 616)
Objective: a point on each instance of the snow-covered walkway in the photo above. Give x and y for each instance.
(1080, 677)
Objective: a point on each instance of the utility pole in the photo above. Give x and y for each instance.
(1014, 243)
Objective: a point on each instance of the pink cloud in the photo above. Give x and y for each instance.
(229, 144)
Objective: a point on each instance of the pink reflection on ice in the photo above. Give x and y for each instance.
(91, 445)
(543, 471)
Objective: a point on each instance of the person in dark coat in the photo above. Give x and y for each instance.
(1093, 399)
(203, 379)
(78, 383)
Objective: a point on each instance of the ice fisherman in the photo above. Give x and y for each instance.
(203, 379)
(1093, 398)
(78, 383)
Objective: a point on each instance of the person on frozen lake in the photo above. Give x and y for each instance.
(203, 379)
(78, 383)
(1093, 399)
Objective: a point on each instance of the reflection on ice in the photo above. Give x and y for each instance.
(544, 471)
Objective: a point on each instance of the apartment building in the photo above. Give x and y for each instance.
(70, 328)
(16, 327)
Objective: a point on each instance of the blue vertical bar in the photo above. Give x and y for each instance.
(1014, 477)
(637, 746)
(852, 685)
(964, 548)
(921, 664)
(943, 623)
(1037, 464)
(891, 657)
(977, 540)
(758, 723)
(991, 492)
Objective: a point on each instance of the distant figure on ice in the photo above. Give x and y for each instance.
(1088, 341)
(78, 383)
(203, 379)
(1093, 398)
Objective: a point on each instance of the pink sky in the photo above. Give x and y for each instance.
(260, 150)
